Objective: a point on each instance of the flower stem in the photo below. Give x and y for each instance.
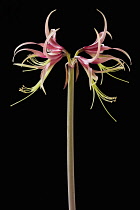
(70, 141)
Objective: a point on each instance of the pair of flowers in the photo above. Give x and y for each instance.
(52, 53)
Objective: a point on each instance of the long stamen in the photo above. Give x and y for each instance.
(28, 57)
(118, 78)
(43, 63)
(31, 90)
(22, 99)
(106, 109)
(105, 69)
(29, 70)
(101, 97)
(24, 65)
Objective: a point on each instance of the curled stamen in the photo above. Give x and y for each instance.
(24, 89)
(101, 97)
(31, 90)
(106, 69)
(118, 78)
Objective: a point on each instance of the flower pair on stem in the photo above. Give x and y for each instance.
(52, 52)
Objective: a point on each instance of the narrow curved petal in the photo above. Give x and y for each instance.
(103, 48)
(35, 52)
(50, 47)
(123, 51)
(66, 79)
(104, 58)
(102, 38)
(47, 40)
(26, 43)
(47, 31)
(55, 44)
(98, 50)
(84, 61)
(92, 51)
(102, 35)
(55, 57)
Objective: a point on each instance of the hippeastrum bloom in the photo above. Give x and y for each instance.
(52, 52)
(96, 51)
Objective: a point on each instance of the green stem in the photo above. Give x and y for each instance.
(70, 141)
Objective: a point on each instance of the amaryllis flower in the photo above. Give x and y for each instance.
(51, 51)
(96, 51)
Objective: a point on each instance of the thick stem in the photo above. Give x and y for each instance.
(70, 141)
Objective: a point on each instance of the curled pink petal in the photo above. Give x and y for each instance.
(47, 40)
(84, 61)
(55, 44)
(98, 50)
(103, 48)
(102, 38)
(55, 58)
(47, 31)
(26, 43)
(105, 58)
(123, 51)
(50, 47)
(35, 52)
(102, 35)
(94, 50)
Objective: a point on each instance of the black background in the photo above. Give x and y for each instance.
(34, 131)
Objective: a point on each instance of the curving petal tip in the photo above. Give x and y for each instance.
(98, 49)
(47, 31)
(123, 51)
(105, 27)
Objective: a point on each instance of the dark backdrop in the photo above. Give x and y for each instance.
(34, 131)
